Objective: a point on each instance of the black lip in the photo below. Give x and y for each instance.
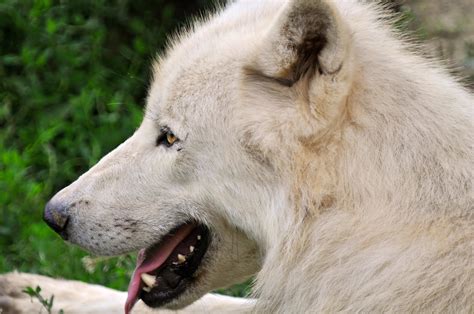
(175, 279)
(157, 298)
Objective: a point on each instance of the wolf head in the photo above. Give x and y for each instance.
(232, 109)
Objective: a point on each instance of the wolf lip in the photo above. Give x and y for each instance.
(165, 269)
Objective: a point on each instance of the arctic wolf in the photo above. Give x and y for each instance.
(301, 141)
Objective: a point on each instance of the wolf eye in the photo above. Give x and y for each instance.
(166, 137)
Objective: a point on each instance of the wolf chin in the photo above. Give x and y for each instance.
(299, 141)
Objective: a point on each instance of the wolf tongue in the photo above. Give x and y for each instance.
(152, 259)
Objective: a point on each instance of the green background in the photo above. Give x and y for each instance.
(73, 79)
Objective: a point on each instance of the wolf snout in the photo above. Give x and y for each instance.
(57, 217)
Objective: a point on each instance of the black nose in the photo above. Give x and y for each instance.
(56, 216)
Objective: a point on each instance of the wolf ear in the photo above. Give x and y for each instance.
(307, 37)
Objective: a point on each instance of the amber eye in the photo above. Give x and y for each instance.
(166, 137)
(171, 138)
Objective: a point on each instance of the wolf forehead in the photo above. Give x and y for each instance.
(207, 59)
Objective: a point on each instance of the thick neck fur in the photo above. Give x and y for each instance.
(389, 193)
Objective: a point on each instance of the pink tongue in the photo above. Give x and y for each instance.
(149, 261)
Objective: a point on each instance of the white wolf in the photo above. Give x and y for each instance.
(301, 141)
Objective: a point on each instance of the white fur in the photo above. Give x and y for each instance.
(74, 297)
(351, 190)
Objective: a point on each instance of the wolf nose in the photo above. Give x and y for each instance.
(55, 215)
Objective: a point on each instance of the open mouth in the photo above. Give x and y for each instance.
(165, 269)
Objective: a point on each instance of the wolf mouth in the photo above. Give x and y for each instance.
(165, 270)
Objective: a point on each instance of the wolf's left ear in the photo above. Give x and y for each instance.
(308, 37)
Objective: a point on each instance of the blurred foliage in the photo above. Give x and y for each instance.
(73, 79)
(46, 303)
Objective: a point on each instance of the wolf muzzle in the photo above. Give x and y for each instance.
(56, 216)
